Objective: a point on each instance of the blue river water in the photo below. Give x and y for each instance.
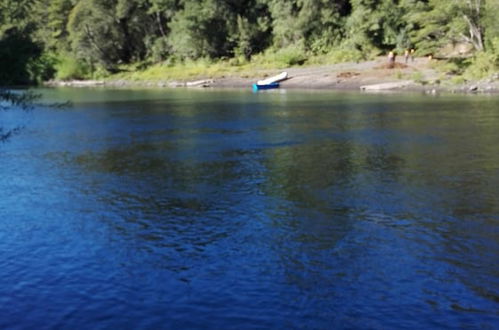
(154, 209)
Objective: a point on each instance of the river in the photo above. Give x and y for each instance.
(165, 209)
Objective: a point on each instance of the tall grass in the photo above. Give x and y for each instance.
(186, 70)
(206, 68)
(269, 62)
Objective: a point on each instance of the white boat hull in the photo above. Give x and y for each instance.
(280, 77)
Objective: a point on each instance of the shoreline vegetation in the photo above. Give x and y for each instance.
(422, 74)
(324, 44)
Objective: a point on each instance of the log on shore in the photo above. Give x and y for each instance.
(386, 86)
(82, 83)
(200, 83)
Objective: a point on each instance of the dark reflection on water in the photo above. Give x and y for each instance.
(154, 209)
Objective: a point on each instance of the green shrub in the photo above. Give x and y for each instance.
(290, 56)
(449, 66)
(237, 61)
(42, 68)
(483, 65)
(342, 55)
(159, 50)
(69, 67)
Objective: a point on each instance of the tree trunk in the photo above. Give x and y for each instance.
(160, 24)
(475, 34)
(475, 28)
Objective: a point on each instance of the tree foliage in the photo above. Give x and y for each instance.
(109, 33)
(316, 25)
(201, 29)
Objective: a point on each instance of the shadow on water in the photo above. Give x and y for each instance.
(299, 210)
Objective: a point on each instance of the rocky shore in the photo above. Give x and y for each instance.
(370, 76)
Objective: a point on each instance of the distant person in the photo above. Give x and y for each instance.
(406, 56)
(412, 55)
(391, 59)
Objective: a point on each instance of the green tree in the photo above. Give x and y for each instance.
(215, 29)
(161, 12)
(18, 49)
(313, 24)
(437, 23)
(52, 21)
(15, 14)
(109, 32)
(321, 23)
(376, 24)
(200, 29)
(253, 27)
(18, 53)
(491, 25)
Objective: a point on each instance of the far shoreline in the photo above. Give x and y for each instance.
(227, 84)
(352, 77)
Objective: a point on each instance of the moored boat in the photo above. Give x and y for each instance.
(275, 79)
(270, 83)
(258, 87)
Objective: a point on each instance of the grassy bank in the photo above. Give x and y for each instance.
(338, 69)
(448, 72)
(267, 62)
(184, 71)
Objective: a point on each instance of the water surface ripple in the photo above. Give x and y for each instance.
(222, 209)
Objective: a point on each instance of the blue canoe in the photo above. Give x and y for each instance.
(258, 87)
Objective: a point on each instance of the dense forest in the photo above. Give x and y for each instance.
(43, 39)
